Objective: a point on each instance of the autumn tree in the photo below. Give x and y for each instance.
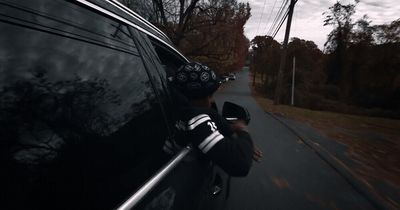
(265, 61)
(308, 63)
(372, 61)
(309, 74)
(210, 31)
(171, 16)
(388, 33)
(218, 37)
(363, 32)
(362, 59)
(339, 16)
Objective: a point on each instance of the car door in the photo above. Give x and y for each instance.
(82, 126)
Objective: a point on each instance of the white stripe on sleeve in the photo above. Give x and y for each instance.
(212, 143)
(196, 118)
(208, 139)
(198, 122)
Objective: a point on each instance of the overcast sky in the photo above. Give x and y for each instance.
(307, 20)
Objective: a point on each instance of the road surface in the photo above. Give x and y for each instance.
(291, 175)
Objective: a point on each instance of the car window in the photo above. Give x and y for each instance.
(152, 62)
(170, 61)
(80, 123)
(117, 8)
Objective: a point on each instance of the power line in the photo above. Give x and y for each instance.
(277, 17)
(281, 23)
(262, 13)
(270, 14)
(273, 23)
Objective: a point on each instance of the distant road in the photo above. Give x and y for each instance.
(291, 175)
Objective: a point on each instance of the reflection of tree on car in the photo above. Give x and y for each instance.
(42, 120)
(51, 105)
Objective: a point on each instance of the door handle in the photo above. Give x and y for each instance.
(216, 187)
(216, 190)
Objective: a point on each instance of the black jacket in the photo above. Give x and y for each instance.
(211, 133)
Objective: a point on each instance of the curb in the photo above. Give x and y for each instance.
(359, 185)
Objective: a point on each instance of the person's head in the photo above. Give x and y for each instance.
(197, 82)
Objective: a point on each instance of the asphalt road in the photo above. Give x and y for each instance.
(291, 175)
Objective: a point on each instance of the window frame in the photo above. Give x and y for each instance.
(106, 12)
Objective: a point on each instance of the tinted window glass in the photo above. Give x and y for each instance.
(152, 61)
(117, 9)
(170, 61)
(79, 120)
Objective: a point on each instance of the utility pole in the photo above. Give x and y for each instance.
(279, 85)
(253, 69)
(293, 76)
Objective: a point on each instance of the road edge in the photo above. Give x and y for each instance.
(359, 185)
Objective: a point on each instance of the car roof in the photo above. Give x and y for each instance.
(119, 11)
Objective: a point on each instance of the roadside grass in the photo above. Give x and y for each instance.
(373, 143)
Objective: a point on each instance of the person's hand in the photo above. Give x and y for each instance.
(239, 125)
(257, 154)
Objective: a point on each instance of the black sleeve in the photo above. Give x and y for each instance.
(234, 155)
(222, 124)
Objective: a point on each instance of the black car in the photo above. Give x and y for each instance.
(85, 112)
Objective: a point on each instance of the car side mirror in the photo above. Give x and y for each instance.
(232, 112)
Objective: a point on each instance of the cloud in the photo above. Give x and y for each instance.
(308, 19)
(374, 4)
(381, 12)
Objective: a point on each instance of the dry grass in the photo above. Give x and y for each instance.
(374, 143)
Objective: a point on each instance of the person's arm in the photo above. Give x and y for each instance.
(234, 155)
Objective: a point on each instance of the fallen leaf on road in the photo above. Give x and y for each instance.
(315, 199)
(299, 141)
(281, 183)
